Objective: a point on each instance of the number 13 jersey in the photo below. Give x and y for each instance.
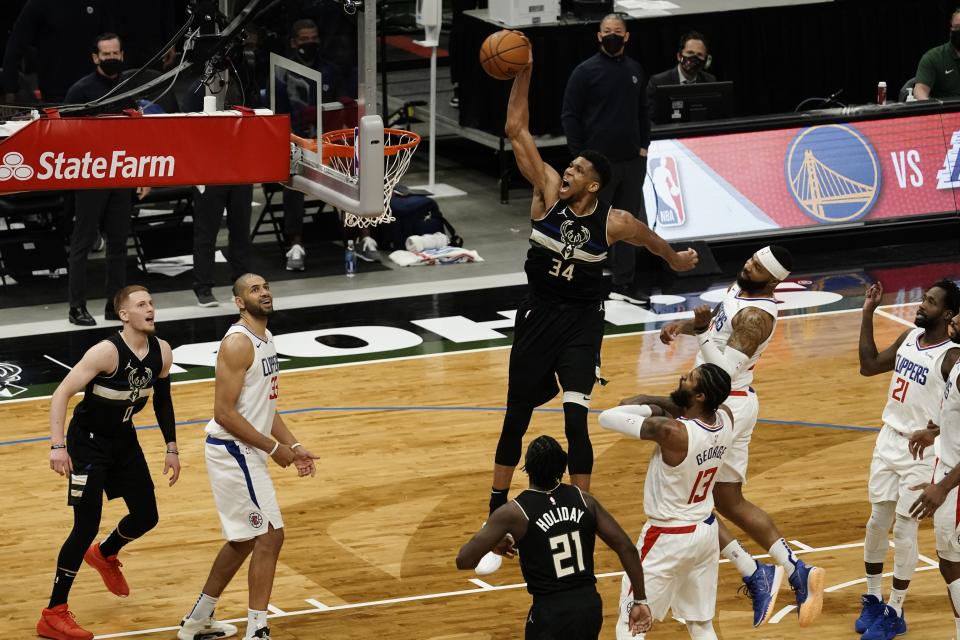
(916, 386)
(683, 494)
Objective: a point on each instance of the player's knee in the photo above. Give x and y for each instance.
(515, 424)
(701, 629)
(881, 517)
(905, 553)
(272, 541)
(576, 398)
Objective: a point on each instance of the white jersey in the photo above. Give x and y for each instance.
(721, 328)
(949, 421)
(683, 494)
(258, 397)
(916, 386)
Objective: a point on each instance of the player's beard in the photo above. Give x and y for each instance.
(682, 398)
(749, 286)
(256, 310)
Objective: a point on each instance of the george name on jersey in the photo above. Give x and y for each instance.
(710, 454)
(908, 369)
(270, 365)
(560, 514)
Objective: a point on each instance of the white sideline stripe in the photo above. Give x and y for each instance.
(317, 604)
(779, 615)
(275, 610)
(801, 546)
(480, 583)
(890, 316)
(929, 561)
(55, 361)
(448, 353)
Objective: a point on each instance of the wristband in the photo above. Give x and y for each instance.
(176, 453)
(58, 446)
(276, 445)
(634, 603)
(295, 445)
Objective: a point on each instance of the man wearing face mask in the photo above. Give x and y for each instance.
(605, 109)
(692, 60)
(938, 74)
(109, 209)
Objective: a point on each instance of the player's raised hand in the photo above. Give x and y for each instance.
(871, 299)
(60, 461)
(668, 334)
(172, 462)
(702, 317)
(685, 260)
(639, 619)
(921, 439)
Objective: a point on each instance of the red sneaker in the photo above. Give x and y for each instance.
(109, 569)
(59, 624)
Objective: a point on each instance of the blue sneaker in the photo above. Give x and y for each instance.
(762, 587)
(807, 584)
(872, 609)
(886, 626)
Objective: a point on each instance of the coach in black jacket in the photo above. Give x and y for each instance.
(693, 56)
(605, 110)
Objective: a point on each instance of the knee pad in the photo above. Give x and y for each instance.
(580, 454)
(515, 423)
(875, 543)
(905, 553)
(702, 630)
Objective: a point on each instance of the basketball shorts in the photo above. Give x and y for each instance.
(112, 464)
(568, 615)
(551, 342)
(946, 527)
(680, 567)
(745, 408)
(893, 470)
(242, 489)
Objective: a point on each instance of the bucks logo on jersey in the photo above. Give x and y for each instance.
(574, 236)
(138, 379)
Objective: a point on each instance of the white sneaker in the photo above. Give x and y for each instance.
(205, 629)
(489, 564)
(295, 258)
(368, 250)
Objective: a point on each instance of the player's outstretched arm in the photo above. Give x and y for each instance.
(639, 421)
(621, 225)
(616, 538)
(873, 361)
(659, 405)
(505, 525)
(543, 177)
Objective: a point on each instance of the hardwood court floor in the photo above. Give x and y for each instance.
(374, 535)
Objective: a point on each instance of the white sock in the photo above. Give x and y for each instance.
(954, 589)
(783, 555)
(956, 623)
(740, 557)
(204, 607)
(897, 597)
(874, 585)
(256, 620)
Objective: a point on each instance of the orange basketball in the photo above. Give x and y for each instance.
(504, 54)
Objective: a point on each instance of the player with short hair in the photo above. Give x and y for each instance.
(921, 360)
(101, 452)
(679, 543)
(559, 325)
(554, 527)
(734, 337)
(245, 430)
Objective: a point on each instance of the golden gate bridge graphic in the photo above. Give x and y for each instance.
(817, 186)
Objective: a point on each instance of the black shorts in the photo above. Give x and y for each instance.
(114, 464)
(568, 615)
(551, 342)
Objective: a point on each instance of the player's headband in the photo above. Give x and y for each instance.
(770, 263)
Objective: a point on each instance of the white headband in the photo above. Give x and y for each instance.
(770, 263)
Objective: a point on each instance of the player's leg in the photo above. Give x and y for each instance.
(696, 597)
(263, 567)
(200, 622)
(663, 564)
(948, 549)
(762, 581)
(875, 545)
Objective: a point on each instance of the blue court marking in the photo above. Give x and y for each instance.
(796, 423)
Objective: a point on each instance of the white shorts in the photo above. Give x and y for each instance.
(893, 470)
(242, 489)
(945, 525)
(745, 409)
(680, 566)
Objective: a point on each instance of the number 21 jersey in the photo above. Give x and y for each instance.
(916, 386)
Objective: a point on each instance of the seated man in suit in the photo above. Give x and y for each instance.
(693, 57)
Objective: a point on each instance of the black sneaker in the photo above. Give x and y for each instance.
(205, 298)
(80, 316)
(262, 634)
(109, 313)
(628, 293)
(455, 98)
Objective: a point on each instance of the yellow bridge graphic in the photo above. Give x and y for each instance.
(816, 185)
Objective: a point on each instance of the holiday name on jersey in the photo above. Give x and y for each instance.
(711, 453)
(909, 369)
(561, 514)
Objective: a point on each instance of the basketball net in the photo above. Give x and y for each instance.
(339, 153)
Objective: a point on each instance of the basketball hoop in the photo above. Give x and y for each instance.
(398, 147)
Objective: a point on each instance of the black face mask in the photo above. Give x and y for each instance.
(955, 39)
(691, 64)
(612, 43)
(110, 66)
(308, 51)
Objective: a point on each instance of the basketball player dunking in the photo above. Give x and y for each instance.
(245, 431)
(554, 527)
(734, 338)
(101, 452)
(679, 544)
(920, 360)
(559, 325)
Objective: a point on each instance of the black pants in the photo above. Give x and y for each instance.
(292, 213)
(207, 211)
(625, 191)
(456, 34)
(96, 208)
(568, 615)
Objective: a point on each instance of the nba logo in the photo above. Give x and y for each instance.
(666, 186)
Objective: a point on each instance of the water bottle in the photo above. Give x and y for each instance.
(350, 260)
(910, 96)
(881, 92)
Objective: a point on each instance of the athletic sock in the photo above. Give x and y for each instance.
(874, 584)
(498, 498)
(256, 620)
(740, 557)
(897, 597)
(783, 555)
(204, 607)
(114, 542)
(61, 587)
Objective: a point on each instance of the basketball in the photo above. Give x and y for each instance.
(504, 54)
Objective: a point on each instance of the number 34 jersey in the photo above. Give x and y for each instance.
(683, 494)
(556, 554)
(916, 386)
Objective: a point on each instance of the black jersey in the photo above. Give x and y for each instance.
(110, 400)
(567, 254)
(556, 554)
